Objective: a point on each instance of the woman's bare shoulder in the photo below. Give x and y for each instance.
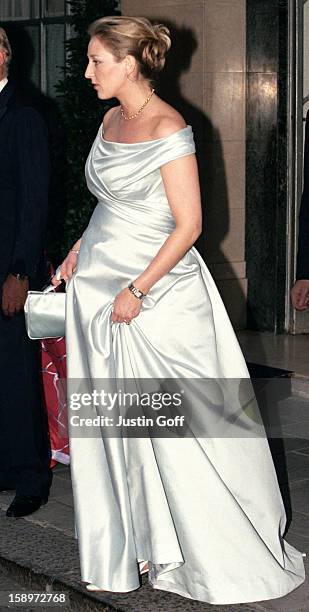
(168, 122)
(108, 117)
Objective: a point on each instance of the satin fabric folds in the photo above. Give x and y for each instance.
(206, 513)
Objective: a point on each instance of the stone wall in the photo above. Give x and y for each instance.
(205, 80)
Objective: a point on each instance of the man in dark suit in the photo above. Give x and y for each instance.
(300, 291)
(24, 169)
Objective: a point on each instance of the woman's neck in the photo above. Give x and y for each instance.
(132, 100)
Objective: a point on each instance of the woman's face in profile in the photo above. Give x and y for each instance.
(106, 73)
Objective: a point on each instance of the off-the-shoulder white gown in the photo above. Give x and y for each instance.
(205, 512)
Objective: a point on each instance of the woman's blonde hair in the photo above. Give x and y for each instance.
(135, 36)
(6, 47)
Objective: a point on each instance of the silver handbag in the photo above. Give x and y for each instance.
(45, 314)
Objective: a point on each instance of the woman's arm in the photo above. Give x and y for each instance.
(76, 246)
(180, 178)
(68, 265)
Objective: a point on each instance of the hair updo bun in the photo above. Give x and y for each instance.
(134, 36)
(153, 49)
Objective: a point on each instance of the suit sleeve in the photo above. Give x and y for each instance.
(302, 270)
(32, 183)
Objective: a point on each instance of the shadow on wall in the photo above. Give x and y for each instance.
(21, 72)
(215, 197)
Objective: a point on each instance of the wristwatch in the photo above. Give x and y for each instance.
(20, 277)
(139, 294)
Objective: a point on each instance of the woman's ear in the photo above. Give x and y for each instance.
(130, 64)
(2, 57)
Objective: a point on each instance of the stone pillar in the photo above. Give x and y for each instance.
(267, 180)
(205, 81)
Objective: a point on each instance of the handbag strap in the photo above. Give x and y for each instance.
(49, 289)
(52, 287)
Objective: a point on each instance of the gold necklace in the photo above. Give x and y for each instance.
(128, 118)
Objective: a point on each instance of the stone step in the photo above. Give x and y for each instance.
(300, 386)
(44, 559)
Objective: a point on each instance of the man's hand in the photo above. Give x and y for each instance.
(14, 294)
(300, 295)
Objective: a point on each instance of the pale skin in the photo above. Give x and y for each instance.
(300, 294)
(122, 80)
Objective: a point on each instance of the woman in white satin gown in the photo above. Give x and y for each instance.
(205, 513)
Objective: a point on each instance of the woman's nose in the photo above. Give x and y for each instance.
(88, 72)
